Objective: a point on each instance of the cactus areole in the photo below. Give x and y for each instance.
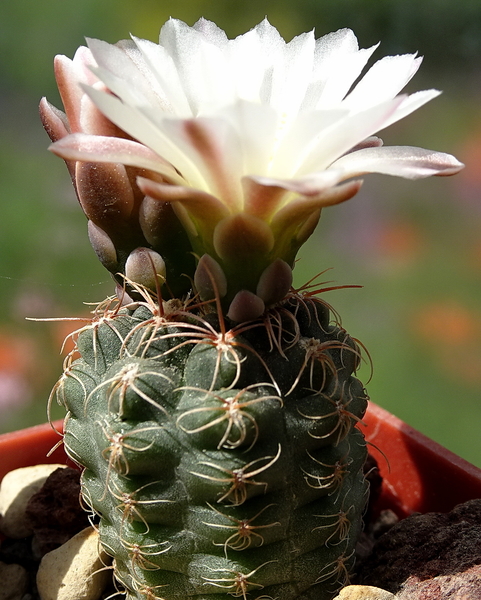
(212, 406)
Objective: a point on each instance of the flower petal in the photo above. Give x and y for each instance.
(301, 207)
(384, 80)
(200, 206)
(202, 66)
(54, 120)
(97, 148)
(410, 104)
(403, 161)
(344, 134)
(214, 147)
(141, 125)
(69, 75)
(309, 186)
(116, 67)
(338, 63)
(163, 69)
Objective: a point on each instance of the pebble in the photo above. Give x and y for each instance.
(14, 581)
(364, 592)
(74, 570)
(16, 489)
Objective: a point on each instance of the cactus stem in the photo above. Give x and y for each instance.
(140, 553)
(115, 452)
(273, 320)
(124, 381)
(316, 353)
(331, 482)
(344, 422)
(341, 526)
(148, 591)
(93, 515)
(242, 538)
(55, 393)
(128, 504)
(231, 410)
(308, 294)
(239, 583)
(239, 478)
(337, 568)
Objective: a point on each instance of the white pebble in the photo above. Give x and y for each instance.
(364, 592)
(16, 489)
(75, 569)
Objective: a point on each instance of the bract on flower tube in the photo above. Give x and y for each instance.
(121, 219)
(248, 139)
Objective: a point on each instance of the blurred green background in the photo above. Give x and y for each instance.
(414, 246)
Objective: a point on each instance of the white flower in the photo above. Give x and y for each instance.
(252, 136)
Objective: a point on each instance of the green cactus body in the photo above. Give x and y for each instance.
(221, 462)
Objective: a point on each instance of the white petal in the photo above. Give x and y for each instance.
(212, 33)
(97, 148)
(410, 104)
(81, 64)
(124, 78)
(247, 64)
(256, 126)
(140, 124)
(291, 82)
(213, 146)
(336, 80)
(343, 135)
(336, 43)
(272, 56)
(289, 152)
(202, 66)
(384, 80)
(402, 161)
(310, 185)
(164, 71)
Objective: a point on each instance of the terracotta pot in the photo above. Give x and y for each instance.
(418, 474)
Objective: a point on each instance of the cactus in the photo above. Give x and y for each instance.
(212, 405)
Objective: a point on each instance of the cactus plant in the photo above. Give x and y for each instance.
(212, 405)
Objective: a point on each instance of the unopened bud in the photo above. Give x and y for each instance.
(146, 267)
(246, 306)
(209, 279)
(103, 246)
(275, 282)
(105, 193)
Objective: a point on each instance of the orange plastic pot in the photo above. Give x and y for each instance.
(418, 474)
(32, 446)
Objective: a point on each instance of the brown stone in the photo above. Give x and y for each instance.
(433, 556)
(14, 581)
(16, 489)
(54, 511)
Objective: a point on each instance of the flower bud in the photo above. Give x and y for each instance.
(209, 279)
(103, 246)
(245, 306)
(146, 267)
(275, 282)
